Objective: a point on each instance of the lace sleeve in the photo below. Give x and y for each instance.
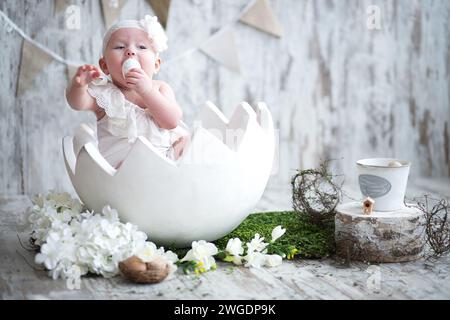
(109, 98)
(122, 117)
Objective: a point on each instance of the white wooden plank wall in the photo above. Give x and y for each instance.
(336, 89)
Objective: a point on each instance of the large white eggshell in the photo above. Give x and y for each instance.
(204, 195)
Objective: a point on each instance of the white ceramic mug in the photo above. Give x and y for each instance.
(384, 180)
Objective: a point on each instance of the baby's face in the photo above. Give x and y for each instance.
(126, 43)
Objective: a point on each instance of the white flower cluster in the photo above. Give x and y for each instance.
(73, 243)
(256, 255)
(155, 32)
(202, 253)
(51, 212)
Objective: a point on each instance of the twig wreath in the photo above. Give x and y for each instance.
(437, 223)
(315, 194)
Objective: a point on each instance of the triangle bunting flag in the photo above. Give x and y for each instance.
(161, 10)
(221, 47)
(33, 61)
(111, 11)
(261, 16)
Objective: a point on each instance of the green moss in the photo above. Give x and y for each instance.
(309, 240)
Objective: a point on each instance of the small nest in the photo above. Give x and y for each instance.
(135, 270)
(315, 194)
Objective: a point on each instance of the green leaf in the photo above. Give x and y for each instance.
(228, 259)
(222, 255)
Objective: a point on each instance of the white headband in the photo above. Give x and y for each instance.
(149, 24)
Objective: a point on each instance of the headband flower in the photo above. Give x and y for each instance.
(155, 32)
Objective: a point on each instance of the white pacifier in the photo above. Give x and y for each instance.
(130, 64)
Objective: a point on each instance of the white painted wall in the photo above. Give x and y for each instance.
(335, 88)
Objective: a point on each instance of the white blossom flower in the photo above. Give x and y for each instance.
(235, 249)
(149, 251)
(50, 251)
(202, 252)
(73, 275)
(256, 255)
(255, 259)
(277, 232)
(110, 214)
(171, 259)
(155, 32)
(171, 256)
(52, 212)
(272, 260)
(63, 200)
(256, 244)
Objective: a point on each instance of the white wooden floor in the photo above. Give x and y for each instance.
(299, 279)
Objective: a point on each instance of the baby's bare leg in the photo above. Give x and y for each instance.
(179, 145)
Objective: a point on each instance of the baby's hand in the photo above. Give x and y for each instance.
(138, 80)
(85, 74)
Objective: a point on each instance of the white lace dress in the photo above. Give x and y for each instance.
(124, 122)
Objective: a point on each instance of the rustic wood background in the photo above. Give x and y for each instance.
(335, 88)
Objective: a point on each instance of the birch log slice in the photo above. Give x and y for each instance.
(381, 236)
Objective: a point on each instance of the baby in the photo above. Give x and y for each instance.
(130, 103)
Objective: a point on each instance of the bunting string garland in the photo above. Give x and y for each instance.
(220, 46)
(52, 54)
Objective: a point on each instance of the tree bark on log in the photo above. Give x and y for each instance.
(396, 236)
